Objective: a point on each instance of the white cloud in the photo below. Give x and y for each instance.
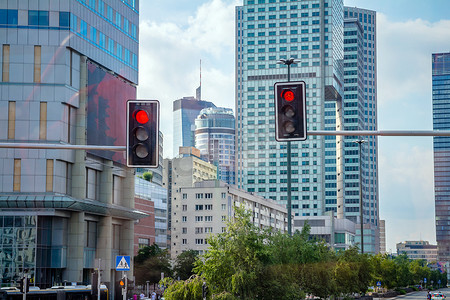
(404, 52)
(404, 102)
(170, 55)
(406, 192)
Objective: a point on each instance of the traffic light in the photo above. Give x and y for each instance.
(290, 111)
(123, 282)
(143, 133)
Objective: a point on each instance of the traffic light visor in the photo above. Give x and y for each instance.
(288, 95)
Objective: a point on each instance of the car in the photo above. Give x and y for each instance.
(437, 296)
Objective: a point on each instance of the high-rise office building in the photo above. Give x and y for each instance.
(215, 137)
(68, 67)
(360, 113)
(267, 31)
(322, 167)
(441, 147)
(185, 111)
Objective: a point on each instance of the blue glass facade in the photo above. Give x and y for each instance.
(214, 137)
(185, 111)
(267, 31)
(339, 67)
(441, 147)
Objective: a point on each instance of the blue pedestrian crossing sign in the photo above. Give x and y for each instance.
(123, 263)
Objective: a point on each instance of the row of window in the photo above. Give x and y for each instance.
(114, 17)
(285, 16)
(106, 43)
(273, 8)
(284, 24)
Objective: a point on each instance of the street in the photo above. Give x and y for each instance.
(421, 295)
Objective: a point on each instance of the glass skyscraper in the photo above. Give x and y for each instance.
(185, 110)
(266, 31)
(441, 146)
(325, 170)
(214, 137)
(67, 69)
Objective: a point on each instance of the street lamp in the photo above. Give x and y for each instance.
(288, 63)
(360, 142)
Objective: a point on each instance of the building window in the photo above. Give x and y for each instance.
(91, 184)
(38, 17)
(91, 234)
(64, 19)
(37, 64)
(184, 219)
(184, 241)
(198, 230)
(208, 218)
(208, 230)
(49, 176)
(116, 236)
(5, 63)
(184, 207)
(16, 176)
(199, 241)
(11, 119)
(117, 189)
(198, 207)
(198, 218)
(143, 243)
(8, 16)
(208, 207)
(43, 121)
(184, 230)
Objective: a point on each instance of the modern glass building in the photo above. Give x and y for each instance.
(441, 147)
(151, 191)
(325, 170)
(360, 113)
(67, 69)
(214, 137)
(185, 111)
(267, 31)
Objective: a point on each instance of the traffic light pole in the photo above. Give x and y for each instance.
(124, 291)
(289, 194)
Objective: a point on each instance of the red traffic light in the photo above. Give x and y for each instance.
(288, 95)
(141, 116)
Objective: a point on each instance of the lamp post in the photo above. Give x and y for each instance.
(360, 142)
(288, 63)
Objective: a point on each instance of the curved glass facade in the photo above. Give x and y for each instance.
(214, 137)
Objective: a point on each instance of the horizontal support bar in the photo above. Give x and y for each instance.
(60, 146)
(383, 132)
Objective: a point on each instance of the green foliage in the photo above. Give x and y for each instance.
(191, 289)
(147, 176)
(150, 262)
(246, 262)
(184, 264)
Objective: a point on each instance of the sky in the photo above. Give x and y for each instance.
(176, 34)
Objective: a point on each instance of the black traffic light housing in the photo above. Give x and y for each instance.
(123, 282)
(290, 111)
(143, 133)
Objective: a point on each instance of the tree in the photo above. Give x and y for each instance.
(150, 262)
(147, 176)
(184, 264)
(235, 259)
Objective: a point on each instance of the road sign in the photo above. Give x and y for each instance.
(378, 283)
(425, 280)
(123, 263)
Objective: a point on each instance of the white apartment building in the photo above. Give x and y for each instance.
(205, 208)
